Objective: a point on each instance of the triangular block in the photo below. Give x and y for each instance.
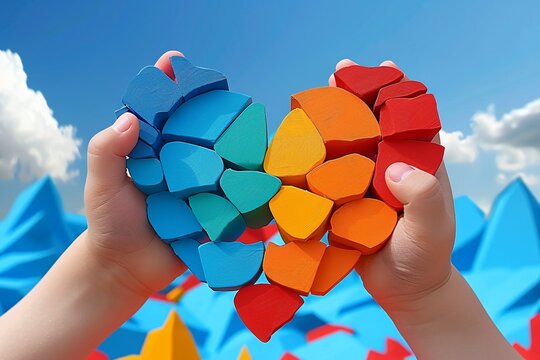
(194, 80)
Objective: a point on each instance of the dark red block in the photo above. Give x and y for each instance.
(423, 155)
(365, 82)
(264, 308)
(403, 89)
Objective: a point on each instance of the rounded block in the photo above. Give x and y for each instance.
(343, 179)
(142, 151)
(295, 149)
(403, 89)
(147, 175)
(294, 265)
(345, 122)
(363, 224)
(171, 218)
(229, 266)
(336, 263)
(250, 192)
(190, 169)
(300, 215)
(218, 217)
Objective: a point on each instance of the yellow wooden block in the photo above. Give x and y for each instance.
(297, 147)
(244, 354)
(175, 294)
(300, 215)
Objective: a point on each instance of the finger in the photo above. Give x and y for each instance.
(164, 62)
(107, 152)
(390, 63)
(344, 63)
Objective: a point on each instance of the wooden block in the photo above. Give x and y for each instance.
(410, 119)
(294, 265)
(187, 250)
(121, 111)
(343, 179)
(244, 354)
(190, 169)
(203, 119)
(365, 82)
(243, 145)
(403, 89)
(336, 263)
(194, 80)
(218, 217)
(147, 175)
(264, 308)
(423, 155)
(171, 218)
(231, 265)
(345, 123)
(150, 135)
(152, 96)
(295, 149)
(325, 330)
(263, 234)
(363, 224)
(250, 192)
(142, 151)
(300, 215)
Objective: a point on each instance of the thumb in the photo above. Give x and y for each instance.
(107, 153)
(426, 215)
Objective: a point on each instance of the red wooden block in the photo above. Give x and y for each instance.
(288, 356)
(533, 353)
(394, 351)
(265, 233)
(264, 308)
(365, 82)
(326, 330)
(410, 119)
(403, 89)
(423, 155)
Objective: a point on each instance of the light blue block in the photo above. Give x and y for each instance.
(243, 264)
(469, 226)
(147, 175)
(204, 118)
(152, 96)
(190, 169)
(171, 218)
(188, 251)
(194, 80)
(338, 345)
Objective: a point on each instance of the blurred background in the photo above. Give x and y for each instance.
(65, 65)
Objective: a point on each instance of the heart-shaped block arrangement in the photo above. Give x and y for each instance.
(204, 162)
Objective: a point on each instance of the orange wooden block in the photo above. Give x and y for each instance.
(295, 149)
(363, 224)
(293, 265)
(345, 122)
(300, 215)
(343, 179)
(335, 265)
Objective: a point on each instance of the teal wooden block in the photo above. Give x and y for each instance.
(147, 175)
(218, 217)
(250, 192)
(171, 218)
(195, 80)
(142, 151)
(229, 266)
(243, 145)
(188, 251)
(203, 119)
(190, 169)
(152, 96)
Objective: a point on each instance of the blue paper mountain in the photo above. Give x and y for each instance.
(499, 255)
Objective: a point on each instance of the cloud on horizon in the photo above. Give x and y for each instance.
(33, 143)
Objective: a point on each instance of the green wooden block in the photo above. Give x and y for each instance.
(250, 192)
(217, 216)
(243, 145)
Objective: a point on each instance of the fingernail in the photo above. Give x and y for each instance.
(122, 124)
(399, 171)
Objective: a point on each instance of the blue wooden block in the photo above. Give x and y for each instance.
(150, 135)
(190, 169)
(152, 96)
(147, 175)
(231, 265)
(121, 111)
(202, 119)
(171, 218)
(188, 251)
(195, 80)
(142, 151)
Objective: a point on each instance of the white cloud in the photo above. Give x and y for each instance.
(459, 149)
(33, 143)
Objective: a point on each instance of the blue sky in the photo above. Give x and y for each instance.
(470, 54)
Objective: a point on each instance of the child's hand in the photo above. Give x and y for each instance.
(118, 230)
